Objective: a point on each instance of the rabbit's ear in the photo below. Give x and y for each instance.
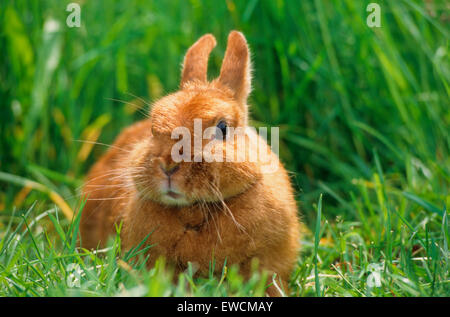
(195, 63)
(235, 71)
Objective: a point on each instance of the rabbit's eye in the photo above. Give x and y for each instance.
(221, 131)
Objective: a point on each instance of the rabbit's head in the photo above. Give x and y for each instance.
(191, 132)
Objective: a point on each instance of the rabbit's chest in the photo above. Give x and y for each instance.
(191, 236)
(187, 238)
(201, 240)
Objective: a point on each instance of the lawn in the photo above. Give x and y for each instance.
(364, 131)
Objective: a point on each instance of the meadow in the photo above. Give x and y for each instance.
(364, 131)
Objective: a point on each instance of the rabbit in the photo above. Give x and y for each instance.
(196, 211)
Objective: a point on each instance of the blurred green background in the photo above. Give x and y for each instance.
(363, 112)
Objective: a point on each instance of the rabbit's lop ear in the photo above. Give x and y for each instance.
(235, 71)
(195, 65)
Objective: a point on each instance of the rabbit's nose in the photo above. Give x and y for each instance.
(169, 170)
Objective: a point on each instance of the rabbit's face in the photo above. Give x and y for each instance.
(210, 166)
(205, 168)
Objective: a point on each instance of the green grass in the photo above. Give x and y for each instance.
(363, 116)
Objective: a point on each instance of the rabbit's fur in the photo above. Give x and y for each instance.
(221, 211)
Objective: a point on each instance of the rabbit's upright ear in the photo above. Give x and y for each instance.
(195, 65)
(235, 71)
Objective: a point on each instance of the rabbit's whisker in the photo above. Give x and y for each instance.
(136, 107)
(104, 144)
(145, 102)
(219, 196)
(114, 172)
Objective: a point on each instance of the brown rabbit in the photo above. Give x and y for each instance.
(196, 210)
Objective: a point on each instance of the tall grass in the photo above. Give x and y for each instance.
(363, 116)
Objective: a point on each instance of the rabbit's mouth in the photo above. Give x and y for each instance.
(173, 197)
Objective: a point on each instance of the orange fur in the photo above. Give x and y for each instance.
(226, 211)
